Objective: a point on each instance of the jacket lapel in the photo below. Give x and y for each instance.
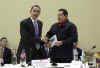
(38, 26)
(32, 25)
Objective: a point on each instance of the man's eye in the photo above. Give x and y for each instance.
(34, 11)
(38, 11)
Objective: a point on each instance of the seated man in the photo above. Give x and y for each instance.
(77, 51)
(7, 55)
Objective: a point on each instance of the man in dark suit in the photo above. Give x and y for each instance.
(78, 51)
(7, 54)
(30, 31)
(66, 33)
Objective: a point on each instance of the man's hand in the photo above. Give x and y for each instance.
(48, 45)
(58, 43)
(44, 39)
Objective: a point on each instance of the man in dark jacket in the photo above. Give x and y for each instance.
(66, 33)
(7, 54)
(30, 31)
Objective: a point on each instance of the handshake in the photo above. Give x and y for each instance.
(48, 44)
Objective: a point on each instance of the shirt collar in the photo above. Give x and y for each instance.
(33, 19)
(3, 48)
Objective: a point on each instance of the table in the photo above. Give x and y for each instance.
(46, 64)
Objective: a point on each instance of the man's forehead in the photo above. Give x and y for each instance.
(4, 39)
(36, 8)
(60, 12)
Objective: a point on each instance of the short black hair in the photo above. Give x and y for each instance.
(3, 38)
(35, 6)
(65, 12)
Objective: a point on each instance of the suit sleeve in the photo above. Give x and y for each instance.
(73, 35)
(25, 34)
(51, 32)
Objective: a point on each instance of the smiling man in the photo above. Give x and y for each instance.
(30, 31)
(66, 33)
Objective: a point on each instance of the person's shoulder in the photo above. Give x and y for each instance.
(24, 21)
(8, 49)
(72, 24)
(39, 21)
(55, 24)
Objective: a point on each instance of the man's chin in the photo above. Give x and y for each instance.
(34, 17)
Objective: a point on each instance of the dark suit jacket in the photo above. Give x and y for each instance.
(67, 33)
(7, 56)
(28, 39)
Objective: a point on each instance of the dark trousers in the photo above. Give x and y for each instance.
(54, 58)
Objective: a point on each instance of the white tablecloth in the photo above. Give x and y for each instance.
(46, 64)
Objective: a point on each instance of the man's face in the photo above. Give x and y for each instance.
(61, 17)
(35, 12)
(4, 43)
